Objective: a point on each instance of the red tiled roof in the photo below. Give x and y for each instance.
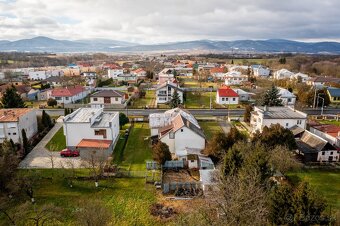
(67, 92)
(93, 143)
(138, 70)
(217, 70)
(332, 130)
(13, 114)
(226, 91)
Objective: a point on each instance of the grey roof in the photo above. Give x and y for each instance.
(104, 119)
(108, 93)
(334, 92)
(193, 127)
(282, 113)
(311, 143)
(296, 130)
(168, 84)
(82, 115)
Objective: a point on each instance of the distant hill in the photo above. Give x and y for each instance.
(45, 44)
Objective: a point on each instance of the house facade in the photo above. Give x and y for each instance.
(113, 73)
(69, 95)
(13, 121)
(334, 95)
(243, 95)
(91, 129)
(287, 97)
(226, 95)
(104, 98)
(235, 78)
(260, 71)
(287, 117)
(331, 133)
(283, 74)
(165, 92)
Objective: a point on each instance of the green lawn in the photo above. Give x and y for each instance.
(58, 141)
(327, 182)
(333, 122)
(210, 128)
(193, 100)
(128, 199)
(137, 148)
(148, 100)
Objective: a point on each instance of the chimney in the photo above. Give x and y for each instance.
(265, 108)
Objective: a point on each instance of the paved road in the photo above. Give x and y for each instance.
(40, 157)
(203, 112)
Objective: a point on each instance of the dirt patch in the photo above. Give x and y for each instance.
(170, 176)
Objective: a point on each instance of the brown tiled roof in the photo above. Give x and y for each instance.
(13, 114)
(108, 93)
(93, 143)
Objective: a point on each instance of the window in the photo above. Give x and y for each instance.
(192, 160)
(234, 99)
(323, 153)
(116, 99)
(14, 133)
(57, 98)
(287, 124)
(107, 100)
(67, 98)
(9, 133)
(289, 100)
(181, 130)
(226, 99)
(100, 132)
(331, 153)
(299, 122)
(223, 99)
(95, 99)
(171, 135)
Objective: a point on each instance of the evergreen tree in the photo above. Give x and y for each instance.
(272, 98)
(52, 102)
(175, 100)
(233, 160)
(247, 113)
(25, 142)
(46, 120)
(11, 99)
(123, 119)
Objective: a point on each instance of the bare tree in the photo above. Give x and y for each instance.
(96, 162)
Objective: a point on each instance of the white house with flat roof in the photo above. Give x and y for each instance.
(287, 117)
(91, 128)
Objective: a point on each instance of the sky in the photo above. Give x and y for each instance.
(159, 21)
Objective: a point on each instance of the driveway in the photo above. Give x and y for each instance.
(40, 157)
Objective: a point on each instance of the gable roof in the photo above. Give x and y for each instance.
(314, 143)
(13, 114)
(332, 130)
(68, 91)
(226, 91)
(172, 85)
(108, 93)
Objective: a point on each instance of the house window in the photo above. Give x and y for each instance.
(181, 130)
(107, 100)
(95, 99)
(171, 135)
(223, 99)
(14, 133)
(57, 98)
(331, 153)
(9, 133)
(100, 132)
(233, 99)
(66, 98)
(192, 160)
(226, 99)
(289, 100)
(299, 122)
(287, 124)
(116, 99)
(323, 153)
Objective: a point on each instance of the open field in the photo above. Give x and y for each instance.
(58, 141)
(128, 199)
(137, 148)
(333, 122)
(148, 100)
(210, 128)
(326, 182)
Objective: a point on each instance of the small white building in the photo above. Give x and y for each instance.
(91, 129)
(283, 74)
(243, 95)
(235, 78)
(300, 76)
(260, 71)
(165, 92)
(114, 73)
(287, 117)
(104, 98)
(218, 72)
(38, 75)
(14, 120)
(287, 97)
(226, 95)
(70, 94)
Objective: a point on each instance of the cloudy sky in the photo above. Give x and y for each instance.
(155, 21)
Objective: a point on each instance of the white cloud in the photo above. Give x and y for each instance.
(151, 21)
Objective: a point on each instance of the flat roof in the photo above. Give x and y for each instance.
(82, 115)
(281, 113)
(104, 119)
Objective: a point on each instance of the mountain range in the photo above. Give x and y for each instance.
(45, 44)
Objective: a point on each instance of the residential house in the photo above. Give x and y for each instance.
(320, 82)
(235, 78)
(316, 149)
(44, 94)
(140, 73)
(114, 73)
(165, 91)
(260, 71)
(69, 94)
(283, 74)
(166, 75)
(104, 98)
(287, 97)
(300, 77)
(55, 81)
(14, 120)
(89, 74)
(33, 94)
(331, 133)
(38, 75)
(194, 159)
(218, 72)
(287, 117)
(243, 95)
(334, 95)
(91, 130)
(226, 95)
(178, 129)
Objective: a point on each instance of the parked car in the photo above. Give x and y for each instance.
(69, 153)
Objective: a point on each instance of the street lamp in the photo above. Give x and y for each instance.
(323, 102)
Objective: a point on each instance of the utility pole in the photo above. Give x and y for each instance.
(314, 97)
(210, 95)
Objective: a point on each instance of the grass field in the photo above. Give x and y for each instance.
(326, 182)
(199, 101)
(137, 148)
(148, 100)
(128, 199)
(58, 141)
(210, 128)
(333, 122)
